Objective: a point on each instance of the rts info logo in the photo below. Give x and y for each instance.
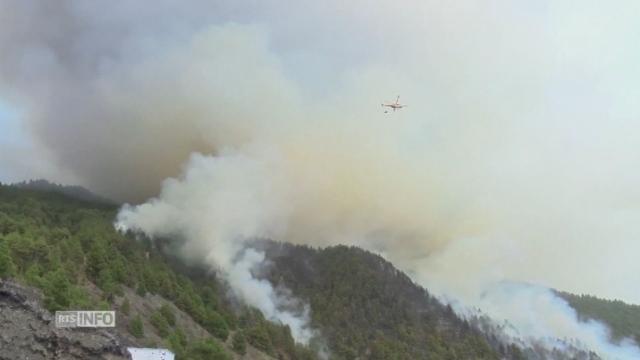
(67, 319)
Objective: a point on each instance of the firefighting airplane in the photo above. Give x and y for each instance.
(395, 106)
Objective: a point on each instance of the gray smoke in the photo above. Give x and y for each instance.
(516, 158)
(220, 205)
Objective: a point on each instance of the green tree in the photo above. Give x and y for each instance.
(136, 328)
(56, 291)
(7, 268)
(177, 342)
(239, 343)
(141, 290)
(160, 323)
(125, 307)
(215, 324)
(167, 313)
(206, 350)
(33, 275)
(259, 337)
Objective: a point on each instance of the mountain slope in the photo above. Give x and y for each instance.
(68, 249)
(623, 319)
(361, 305)
(368, 309)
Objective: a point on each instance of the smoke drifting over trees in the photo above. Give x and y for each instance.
(515, 160)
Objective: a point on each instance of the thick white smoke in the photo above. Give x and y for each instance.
(555, 324)
(221, 204)
(516, 158)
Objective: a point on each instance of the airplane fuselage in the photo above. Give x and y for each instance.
(395, 105)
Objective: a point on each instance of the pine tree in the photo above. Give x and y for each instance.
(160, 323)
(7, 268)
(168, 314)
(239, 343)
(125, 307)
(136, 328)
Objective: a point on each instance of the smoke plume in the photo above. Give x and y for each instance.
(220, 205)
(516, 158)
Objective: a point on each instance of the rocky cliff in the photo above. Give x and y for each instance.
(28, 331)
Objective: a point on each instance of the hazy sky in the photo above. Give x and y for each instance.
(13, 140)
(516, 158)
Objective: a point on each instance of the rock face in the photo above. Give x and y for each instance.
(27, 331)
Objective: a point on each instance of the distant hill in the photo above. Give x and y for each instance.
(623, 319)
(73, 191)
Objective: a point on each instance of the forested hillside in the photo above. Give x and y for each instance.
(368, 308)
(65, 246)
(623, 319)
(361, 305)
